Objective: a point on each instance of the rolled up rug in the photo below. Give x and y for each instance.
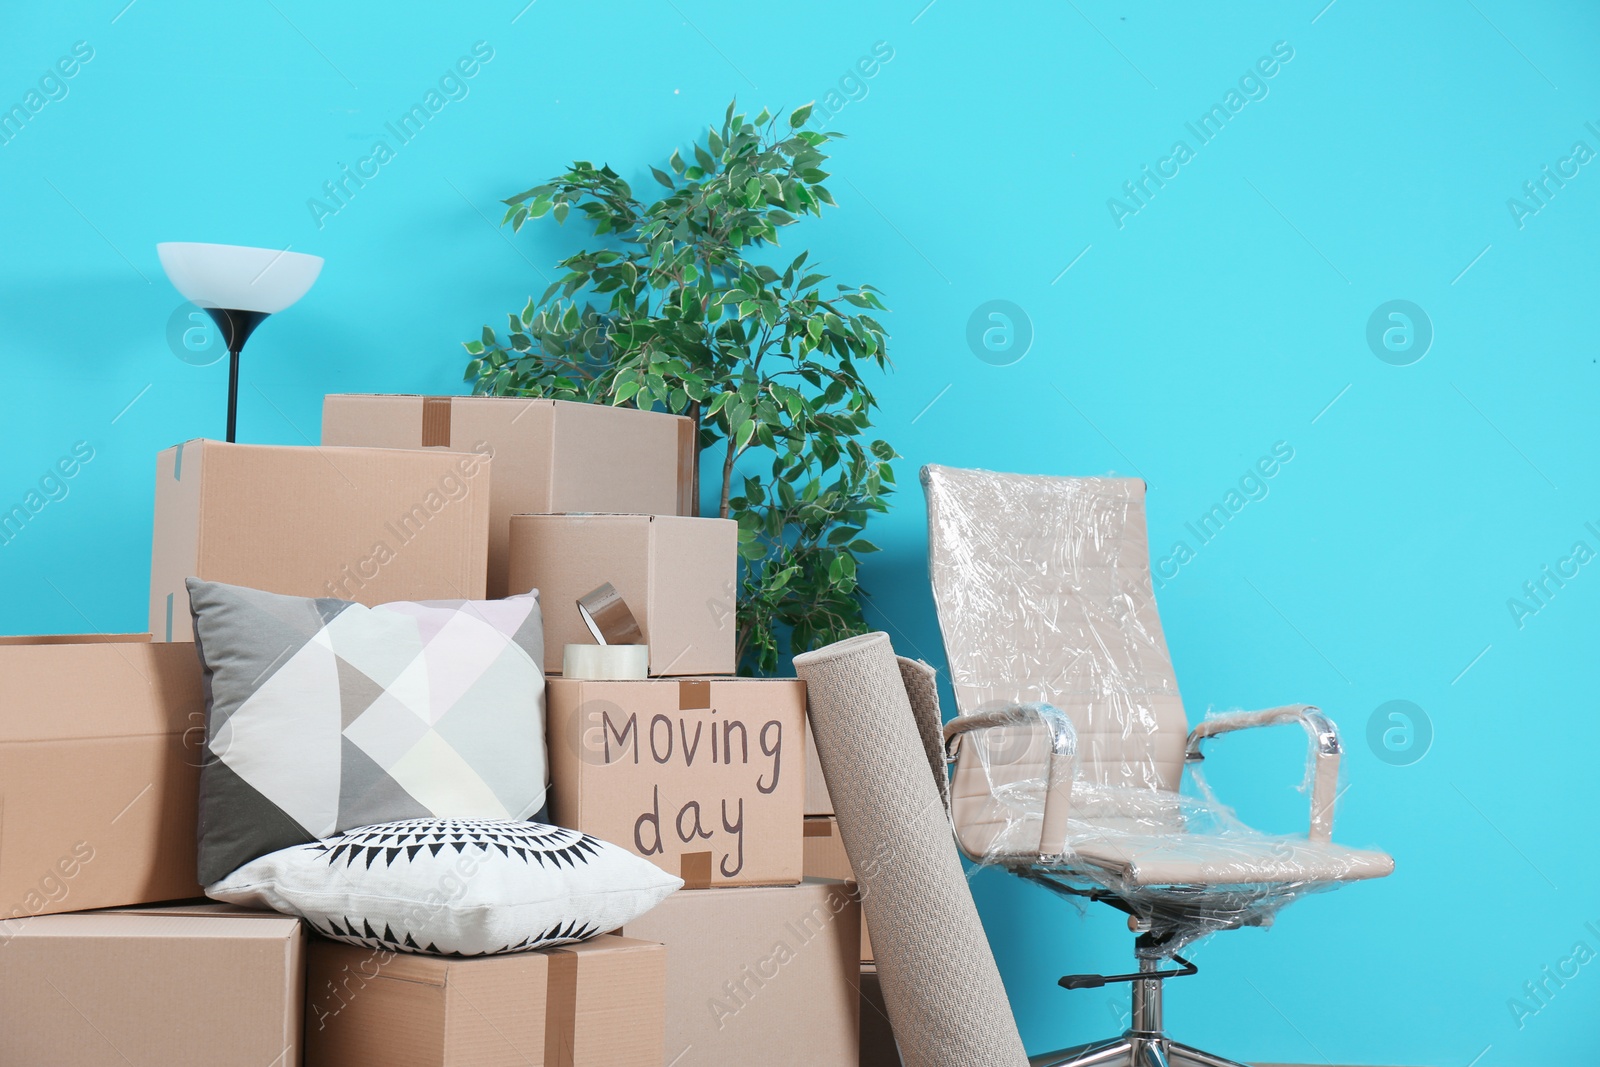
(885, 774)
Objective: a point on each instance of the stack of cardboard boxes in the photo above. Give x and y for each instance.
(701, 772)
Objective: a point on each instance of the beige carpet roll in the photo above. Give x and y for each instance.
(939, 979)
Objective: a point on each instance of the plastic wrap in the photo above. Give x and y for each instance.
(1071, 742)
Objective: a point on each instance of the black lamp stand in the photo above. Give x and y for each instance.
(236, 327)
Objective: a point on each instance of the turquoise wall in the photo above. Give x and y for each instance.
(1179, 336)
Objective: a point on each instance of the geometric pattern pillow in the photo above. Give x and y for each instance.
(323, 715)
(457, 887)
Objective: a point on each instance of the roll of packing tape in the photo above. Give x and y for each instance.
(607, 616)
(606, 663)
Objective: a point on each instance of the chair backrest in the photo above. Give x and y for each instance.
(1043, 591)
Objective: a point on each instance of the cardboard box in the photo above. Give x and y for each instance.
(703, 777)
(97, 784)
(366, 524)
(596, 1004)
(825, 857)
(176, 989)
(818, 802)
(878, 1048)
(676, 575)
(550, 455)
(759, 976)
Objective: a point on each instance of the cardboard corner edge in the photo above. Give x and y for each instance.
(175, 538)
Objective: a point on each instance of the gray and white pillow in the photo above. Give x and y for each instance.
(323, 715)
(462, 887)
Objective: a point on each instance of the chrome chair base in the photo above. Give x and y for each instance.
(1132, 1049)
(1144, 1043)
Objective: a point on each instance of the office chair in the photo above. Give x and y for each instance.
(1070, 739)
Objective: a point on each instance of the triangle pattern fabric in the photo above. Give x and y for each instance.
(378, 643)
(386, 730)
(504, 753)
(458, 655)
(533, 885)
(442, 780)
(283, 739)
(356, 691)
(367, 794)
(238, 823)
(325, 715)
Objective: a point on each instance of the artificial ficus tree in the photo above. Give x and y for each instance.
(687, 308)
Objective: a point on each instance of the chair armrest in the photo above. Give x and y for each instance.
(1324, 755)
(1063, 761)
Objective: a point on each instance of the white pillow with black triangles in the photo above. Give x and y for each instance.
(454, 887)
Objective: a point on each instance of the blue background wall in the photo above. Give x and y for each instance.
(1228, 314)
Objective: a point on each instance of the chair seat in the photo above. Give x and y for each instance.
(1211, 859)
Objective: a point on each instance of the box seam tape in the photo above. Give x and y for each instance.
(561, 1009)
(436, 421)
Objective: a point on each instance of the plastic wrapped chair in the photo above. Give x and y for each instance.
(1070, 742)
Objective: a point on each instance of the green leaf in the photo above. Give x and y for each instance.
(746, 430)
(676, 162)
(661, 176)
(798, 118)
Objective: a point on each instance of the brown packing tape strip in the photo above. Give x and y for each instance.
(435, 421)
(608, 617)
(694, 696)
(695, 870)
(688, 469)
(561, 1009)
(77, 639)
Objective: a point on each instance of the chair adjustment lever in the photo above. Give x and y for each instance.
(1095, 981)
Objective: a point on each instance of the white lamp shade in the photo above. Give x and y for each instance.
(238, 278)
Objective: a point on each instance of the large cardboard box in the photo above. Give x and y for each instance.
(178, 989)
(550, 455)
(676, 575)
(596, 1004)
(99, 772)
(704, 777)
(759, 976)
(366, 524)
(825, 857)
